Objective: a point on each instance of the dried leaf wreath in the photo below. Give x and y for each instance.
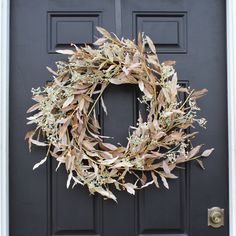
(66, 120)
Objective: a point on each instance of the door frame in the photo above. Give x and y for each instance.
(231, 96)
(4, 107)
(4, 110)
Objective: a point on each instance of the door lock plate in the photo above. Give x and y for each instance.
(216, 217)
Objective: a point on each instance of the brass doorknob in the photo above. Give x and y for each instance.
(215, 217)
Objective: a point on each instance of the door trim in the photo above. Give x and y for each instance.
(4, 108)
(231, 83)
(4, 105)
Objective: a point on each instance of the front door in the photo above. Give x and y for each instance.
(188, 31)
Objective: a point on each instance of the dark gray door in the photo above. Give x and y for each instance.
(188, 31)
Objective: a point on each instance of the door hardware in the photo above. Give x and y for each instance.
(216, 217)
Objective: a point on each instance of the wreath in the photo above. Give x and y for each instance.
(66, 120)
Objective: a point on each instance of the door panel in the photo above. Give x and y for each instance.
(197, 32)
(190, 32)
(71, 213)
(65, 28)
(168, 30)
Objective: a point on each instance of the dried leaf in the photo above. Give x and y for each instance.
(108, 161)
(52, 71)
(130, 188)
(69, 179)
(40, 163)
(100, 41)
(105, 154)
(198, 94)
(207, 152)
(154, 177)
(33, 108)
(108, 146)
(141, 85)
(169, 63)
(103, 32)
(38, 143)
(66, 51)
(165, 183)
(200, 164)
(169, 175)
(103, 105)
(63, 129)
(116, 81)
(194, 151)
(165, 167)
(81, 104)
(147, 184)
(105, 193)
(151, 45)
(143, 179)
(76, 181)
(68, 101)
